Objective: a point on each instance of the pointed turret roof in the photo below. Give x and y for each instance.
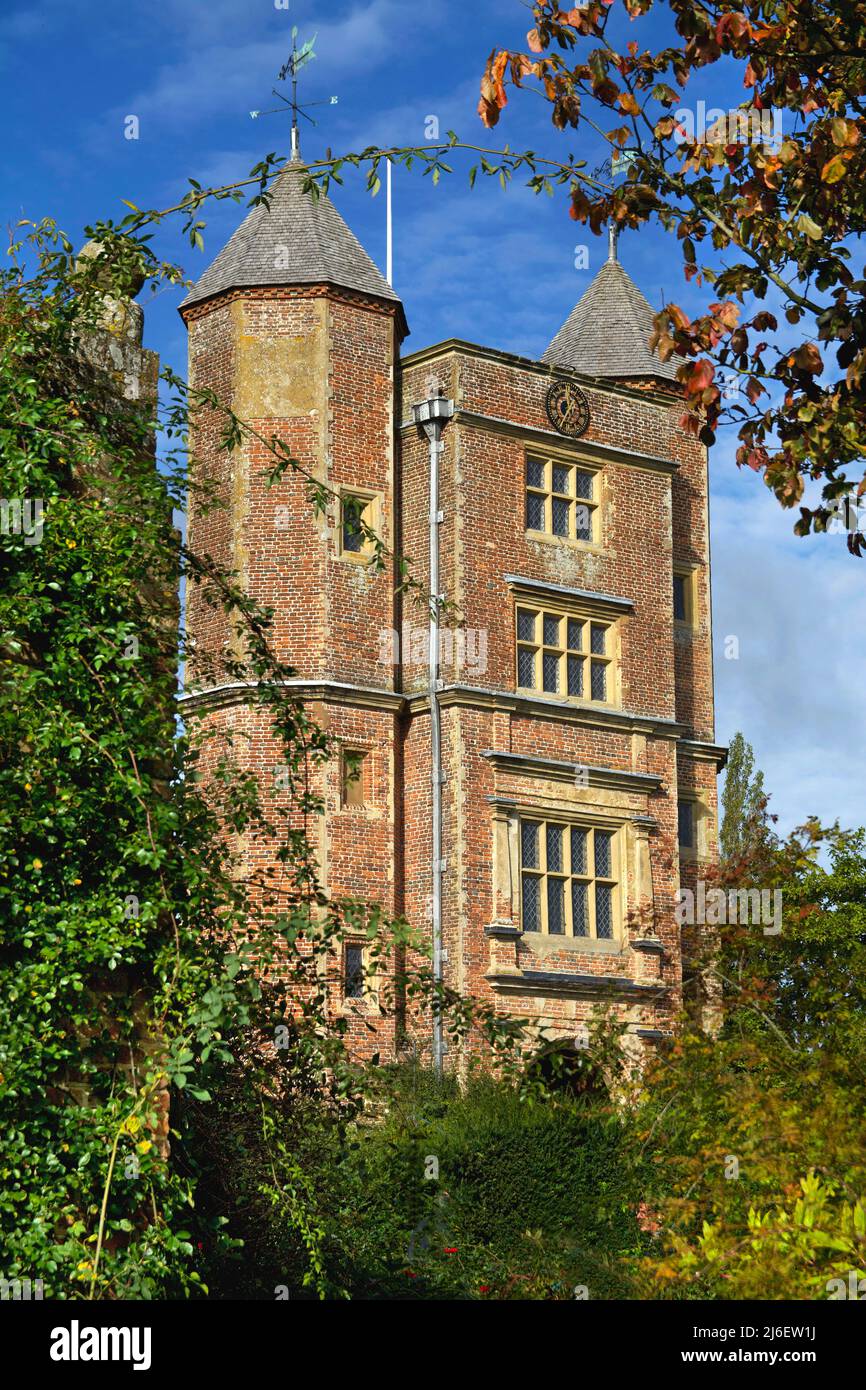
(607, 332)
(298, 240)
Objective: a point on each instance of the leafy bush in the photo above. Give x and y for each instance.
(440, 1193)
(755, 1137)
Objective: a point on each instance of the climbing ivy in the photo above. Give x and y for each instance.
(134, 961)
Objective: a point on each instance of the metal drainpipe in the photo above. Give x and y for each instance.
(432, 416)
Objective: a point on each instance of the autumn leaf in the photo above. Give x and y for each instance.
(756, 459)
(732, 27)
(754, 389)
(808, 359)
(662, 343)
(790, 490)
(839, 131)
(700, 377)
(811, 228)
(781, 208)
(727, 313)
(493, 95)
(521, 67)
(834, 169)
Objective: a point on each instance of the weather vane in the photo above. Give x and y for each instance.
(298, 59)
(618, 162)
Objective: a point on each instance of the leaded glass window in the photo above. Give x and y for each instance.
(562, 654)
(353, 972)
(569, 884)
(560, 499)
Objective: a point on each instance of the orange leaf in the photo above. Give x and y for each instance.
(488, 111)
(521, 67)
(727, 313)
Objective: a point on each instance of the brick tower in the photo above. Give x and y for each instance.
(297, 330)
(536, 783)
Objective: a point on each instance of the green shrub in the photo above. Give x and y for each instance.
(442, 1194)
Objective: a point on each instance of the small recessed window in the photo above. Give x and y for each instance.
(686, 824)
(354, 777)
(353, 972)
(684, 597)
(357, 525)
(353, 524)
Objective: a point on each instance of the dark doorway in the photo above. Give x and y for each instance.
(569, 1071)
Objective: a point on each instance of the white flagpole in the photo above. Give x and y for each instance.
(389, 240)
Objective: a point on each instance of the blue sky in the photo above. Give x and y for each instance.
(495, 267)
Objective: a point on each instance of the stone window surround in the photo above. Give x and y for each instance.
(631, 828)
(373, 505)
(358, 787)
(368, 1001)
(588, 876)
(688, 572)
(697, 800)
(607, 657)
(577, 603)
(348, 991)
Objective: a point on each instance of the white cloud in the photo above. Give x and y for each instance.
(796, 690)
(222, 67)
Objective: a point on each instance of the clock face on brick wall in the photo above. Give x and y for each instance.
(567, 408)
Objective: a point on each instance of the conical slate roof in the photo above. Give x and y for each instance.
(607, 332)
(297, 241)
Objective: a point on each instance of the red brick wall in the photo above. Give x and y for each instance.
(337, 420)
(331, 612)
(650, 518)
